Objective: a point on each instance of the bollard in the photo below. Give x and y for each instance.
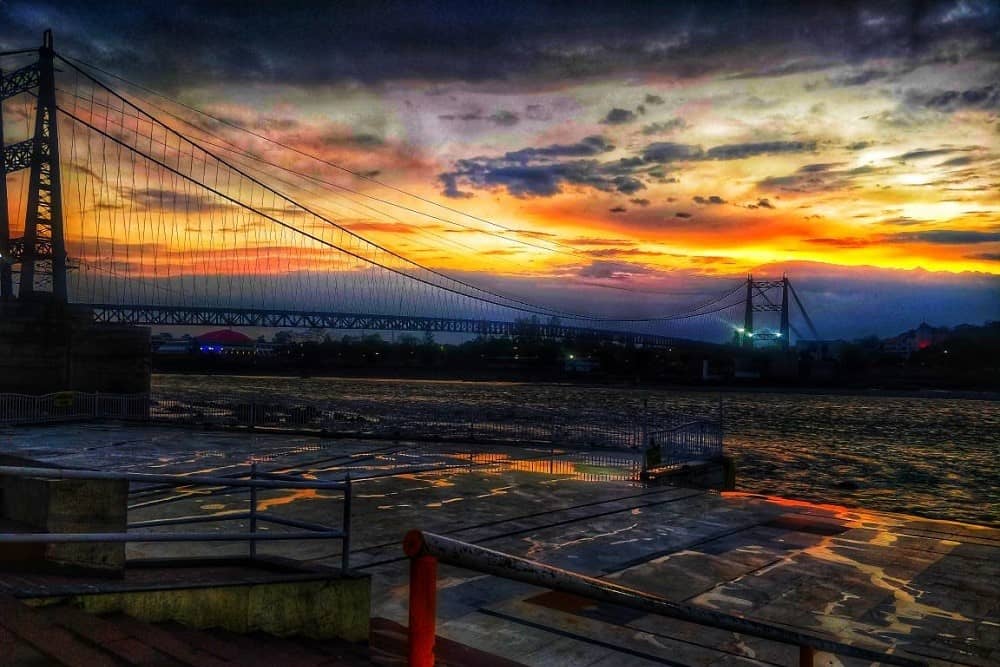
(345, 544)
(423, 601)
(253, 511)
(425, 549)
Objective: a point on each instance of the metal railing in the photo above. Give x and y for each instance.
(71, 406)
(698, 440)
(611, 429)
(426, 549)
(255, 481)
(676, 437)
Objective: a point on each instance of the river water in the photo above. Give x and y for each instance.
(930, 456)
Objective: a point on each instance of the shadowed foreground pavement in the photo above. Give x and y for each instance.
(924, 588)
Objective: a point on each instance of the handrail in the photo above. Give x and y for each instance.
(251, 480)
(172, 480)
(426, 549)
(674, 429)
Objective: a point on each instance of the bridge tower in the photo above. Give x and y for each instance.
(41, 251)
(748, 315)
(757, 301)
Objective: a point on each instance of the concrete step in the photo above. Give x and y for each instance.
(31, 626)
(166, 642)
(389, 646)
(111, 637)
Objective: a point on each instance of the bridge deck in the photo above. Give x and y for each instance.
(260, 317)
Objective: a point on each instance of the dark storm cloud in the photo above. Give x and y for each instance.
(624, 166)
(713, 199)
(818, 178)
(987, 256)
(542, 171)
(929, 152)
(849, 242)
(741, 151)
(522, 179)
(857, 78)
(985, 98)
(501, 118)
(962, 161)
(668, 151)
(505, 118)
(663, 127)
(819, 166)
(188, 42)
(450, 182)
(361, 140)
(627, 184)
(619, 117)
(611, 270)
(592, 145)
(158, 199)
(946, 237)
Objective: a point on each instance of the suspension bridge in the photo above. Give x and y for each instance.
(149, 211)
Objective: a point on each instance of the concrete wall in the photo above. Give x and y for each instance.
(47, 347)
(320, 609)
(37, 504)
(719, 474)
(110, 358)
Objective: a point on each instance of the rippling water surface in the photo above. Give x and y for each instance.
(936, 457)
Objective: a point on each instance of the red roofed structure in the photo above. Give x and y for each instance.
(226, 342)
(225, 337)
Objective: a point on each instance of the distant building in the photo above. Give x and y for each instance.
(821, 349)
(226, 342)
(577, 365)
(908, 342)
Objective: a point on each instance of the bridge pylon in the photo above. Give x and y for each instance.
(757, 300)
(41, 251)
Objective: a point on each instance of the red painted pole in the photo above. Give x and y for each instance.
(423, 601)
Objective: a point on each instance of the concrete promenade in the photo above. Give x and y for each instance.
(926, 589)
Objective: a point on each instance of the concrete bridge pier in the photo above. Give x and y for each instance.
(47, 346)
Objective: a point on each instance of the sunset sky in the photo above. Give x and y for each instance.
(655, 147)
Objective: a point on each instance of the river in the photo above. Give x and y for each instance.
(930, 456)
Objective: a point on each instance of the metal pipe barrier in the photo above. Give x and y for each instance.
(425, 550)
(307, 530)
(580, 428)
(71, 406)
(695, 440)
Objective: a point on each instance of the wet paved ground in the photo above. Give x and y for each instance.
(927, 587)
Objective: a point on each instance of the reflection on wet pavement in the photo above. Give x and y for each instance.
(918, 586)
